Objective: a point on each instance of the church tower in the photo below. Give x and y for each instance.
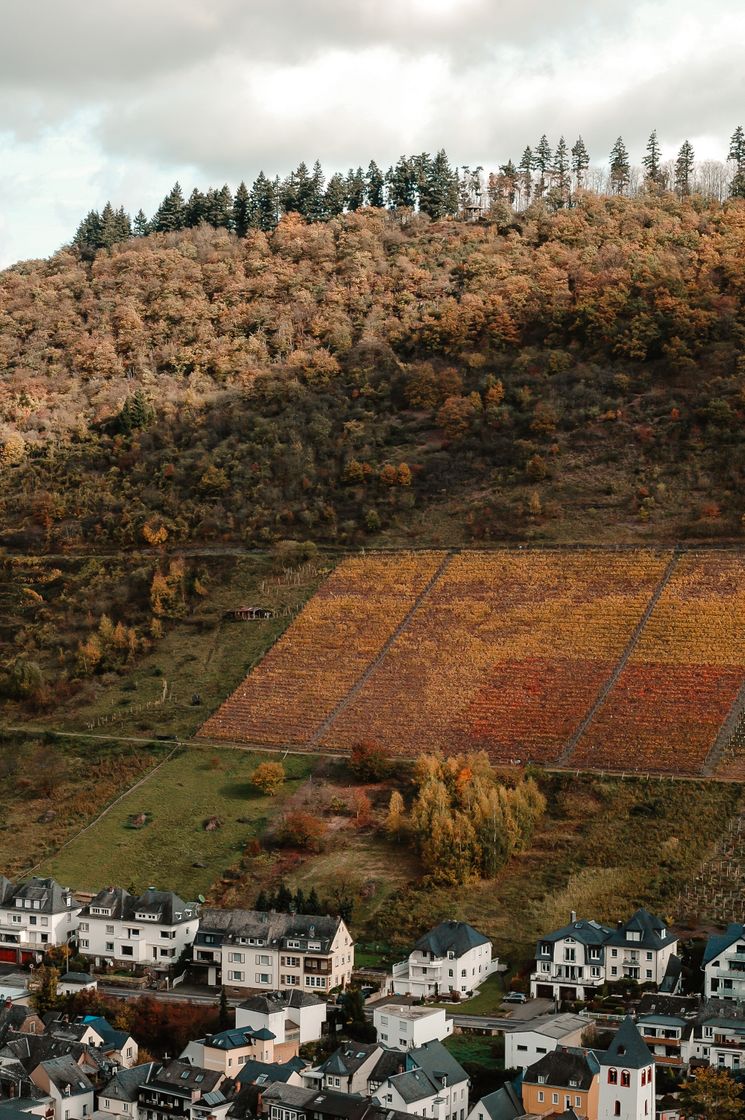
(626, 1090)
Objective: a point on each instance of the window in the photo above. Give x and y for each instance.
(235, 975)
(554, 1098)
(648, 973)
(84, 943)
(402, 1043)
(290, 981)
(133, 932)
(612, 1076)
(613, 970)
(291, 962)
(617, 1108)
(625, 1078)
(262, 978)
(84, 927)
(649, 956)
(577, 1102)
(263, 958)
(127, 951)
(109, 929)
(236, 958)
(109, 946)
(541, 1095)
(521, 1047)
(614, 952)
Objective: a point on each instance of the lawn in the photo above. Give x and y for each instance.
(482, 1050)
(181, 796)
(488, 1000)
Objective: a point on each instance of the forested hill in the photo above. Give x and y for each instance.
(571, 375)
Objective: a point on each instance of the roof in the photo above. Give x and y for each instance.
(165, 907)
(64, 1073)
(19, 1107)
(627, 1048)
(182, 1076)
(264, 1073)
(269, 1003)
(389, 1062)
(77, 978)
(505, 1104)
(407, 1011)
(46, 892)
(235, 1039)
(103, 1028)
(413, 1085)
(568, 1067)
(437, 1062)
(718, 942)
(550, 1026)
(673, 974)
(654, 1004)
(125, 1084)
(348, 1058)
(268, 927)
(349, 1106)
(450, 937)
(587, 932)
(653, 931)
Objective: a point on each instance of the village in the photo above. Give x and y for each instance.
(607, 1023)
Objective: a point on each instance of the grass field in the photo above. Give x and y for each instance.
(188, 789)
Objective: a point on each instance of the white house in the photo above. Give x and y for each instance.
(432, 1084)
(292, 1016)
(154, 928)
(505, 1104)
(451, 957)
(73, 982)
(666, 1023)
(256, 949)
(524, 1044)
(64, 1081)
(403, 1027)
(34, 915)
(724, 964)
(119, 1096)
(576, 960)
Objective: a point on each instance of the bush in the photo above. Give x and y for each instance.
(268, 777)
(369, 762)
(299, 829)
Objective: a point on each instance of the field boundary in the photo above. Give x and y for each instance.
(726, 731)
(564, 759)
(314, 739)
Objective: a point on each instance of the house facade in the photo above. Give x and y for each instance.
(627, 1077)
(119, 1097)
(149, 929)
(724, 964)
(256, 949)
(576, 960)
(34, 915)
(404, 1027)
(228, 1051)
(293, 1017)
(524, 1045)
(565, 1078)
(432, 1083)
(451, 957)
(174, 1090)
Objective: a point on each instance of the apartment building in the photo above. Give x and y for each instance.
(34, 915)
(152, 928)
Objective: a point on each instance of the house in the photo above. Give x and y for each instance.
(153, 928)
(229, 1050)
(718, 1035)
(268, 1073)
(347, 1070)
(34, 915)
(287, 1102)
(293, 1017)
(724, 964)
(575, 961)
(71, 1091)
(73, 982)
(451, 957)
(119, 1097)
(666, 1024)
(567, 1077)
(403, 1027)
(256, 949)
(174, 1089)
(119, 1046)
(627, 1077)
(21, 1108)
(505, 1104)
(525, 1044)
(432, 1083)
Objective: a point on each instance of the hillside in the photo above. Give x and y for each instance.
(564, 376)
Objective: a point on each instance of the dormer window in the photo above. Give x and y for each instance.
(663, 932)
(541, 1079)
(633, 935)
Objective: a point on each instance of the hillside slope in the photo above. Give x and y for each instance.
(576, 375)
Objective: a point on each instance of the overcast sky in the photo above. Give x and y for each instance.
(118, 98)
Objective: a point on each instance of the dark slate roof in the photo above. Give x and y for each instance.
(187, 1078)
(584, 931)
(648, 926)
(348, 1058)
(65, 1073)
(19, 1107)
(264, 1073)
(347, 1106)
(413, 1085)
(505, 1104)
(437, 1062)
(125, 1084)
(246, 1103)
(272, 1002)
(450, 937)
(269, 927)
(567, 1067)
(389, 1062)
(110, 1035)
(6, 889)
(628, 1048)
(52, 898)
(673, 974)
(235, 1039)
(674, 1007)
(77, 978)
(718, 942)
(160, 906)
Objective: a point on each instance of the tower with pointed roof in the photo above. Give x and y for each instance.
(626, 1088)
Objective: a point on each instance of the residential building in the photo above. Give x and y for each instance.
(73, 982)
(34, 915)
(567, 1077)
(293, 1016)
(287, 1102)
(255, 949)
(505, 1104)
(71, 1091)
(20, 1108)
(666, 1024)
(717, 1035)
(229, 1050)
(451, 957)
(627, 1077)
(153, 928)
(119, 1097)
(576, 960)
(432, 1083)
(404, 1027)
(174, 1089)
(347, 1070)
(269, 1073)
(724, 964)
(524, 1044)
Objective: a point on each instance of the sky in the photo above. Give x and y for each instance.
(116, 99)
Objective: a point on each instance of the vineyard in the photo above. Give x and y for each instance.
(619, 660)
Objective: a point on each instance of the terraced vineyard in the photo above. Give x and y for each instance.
(628, 660)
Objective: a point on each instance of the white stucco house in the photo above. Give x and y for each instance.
(34, 915)
(291, 1015)
(525, 1044)
(404, 1027)
(724, 964)
(153, 928)
(451, 957)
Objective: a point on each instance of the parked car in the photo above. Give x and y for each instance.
(515, 997)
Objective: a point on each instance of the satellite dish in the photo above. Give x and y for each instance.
(200, 898)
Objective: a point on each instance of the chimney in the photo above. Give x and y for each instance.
(619, 924)
(572, 916)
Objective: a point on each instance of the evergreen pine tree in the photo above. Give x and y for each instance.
(580, 162)
(300, 901)
(620, 169)
(265, 202)
(88, 234)
(543, 162)
(335, 197)
(284, 898)
(355, 188)
(262, 901)
(311, 200)
(684, 169)
(438, 189)
(219, 207)
(737, 156)
(171, 214)
(560, 175)
(141, 226)
(313, 903)
(510, 181)
(652, 163)
(196, 209)
(223, 1011)
(242, 210)
(526, 166)
(374, 185)
(401, 181)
